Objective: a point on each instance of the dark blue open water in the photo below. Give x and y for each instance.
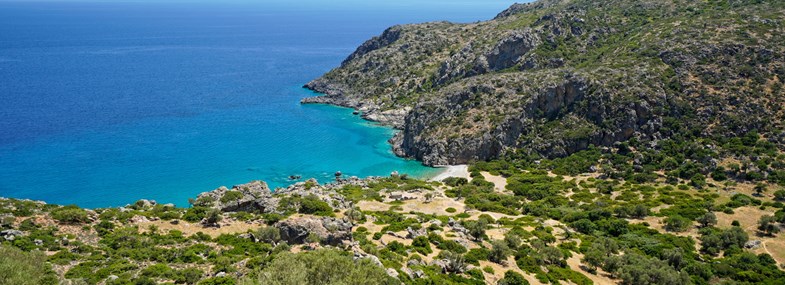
(104, 103)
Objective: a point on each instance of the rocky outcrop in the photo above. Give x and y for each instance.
(11, 234)
(549, 78)
(250, 197)
(257, 196)
(388, 37)
(330, 231)
(510, 50)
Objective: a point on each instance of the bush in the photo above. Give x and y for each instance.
(312, 205)
(269, 234)
(779, 195)
(320, 267)
(23, 268)
(499, 252)
(476, 254)
(455, 181)
(231, 196)
(709, 219)
(450, 210)
(677, 223)
(422, 245)
(513, 278)
(70, 215)
(305, 205)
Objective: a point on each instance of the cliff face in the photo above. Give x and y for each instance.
(553, 77)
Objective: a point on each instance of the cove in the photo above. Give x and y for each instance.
(106, 103)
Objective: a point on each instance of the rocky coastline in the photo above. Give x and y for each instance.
(534, 79)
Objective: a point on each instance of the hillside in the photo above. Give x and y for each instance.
(608, 142)
(512, 226)
(553, 77)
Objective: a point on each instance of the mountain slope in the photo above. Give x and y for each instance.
(553, 77)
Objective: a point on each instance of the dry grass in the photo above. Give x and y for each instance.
(499, 182)
(375, 206)
(228, 227)
(748, 219)
(436, 207)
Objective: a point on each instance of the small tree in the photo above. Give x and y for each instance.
(428, 197)
(768, 225)
(593, 258)
(779, 195)
(708, 219)
(552, 255)
(677, 223)
(513, 240)
(477, 228)
(760, 188)
(213, 217)
(269, 234)
(698, 181)
(640, 211)
(499, 252)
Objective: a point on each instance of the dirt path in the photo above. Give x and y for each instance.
(499, 181)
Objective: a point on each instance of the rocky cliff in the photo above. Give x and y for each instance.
(555, 76)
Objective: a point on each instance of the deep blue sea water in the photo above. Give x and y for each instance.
(105, 103)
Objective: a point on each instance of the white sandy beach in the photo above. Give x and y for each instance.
(461, 170)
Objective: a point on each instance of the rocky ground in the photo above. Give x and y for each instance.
(410, 228)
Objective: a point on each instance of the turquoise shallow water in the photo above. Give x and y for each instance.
(108, 103)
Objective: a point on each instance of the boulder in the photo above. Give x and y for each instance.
(331, 231)
(138, 219)
(11, 234)
(412, 234)
(247, 197)
(753, 244)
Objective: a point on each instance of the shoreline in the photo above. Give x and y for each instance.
(461, 170)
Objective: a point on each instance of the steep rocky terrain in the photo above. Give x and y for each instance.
(555, 76)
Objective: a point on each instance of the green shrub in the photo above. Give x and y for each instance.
(24, 268)
(677, 223)
(70, 215)
(231, 196)
(320, 267)
(455, 181)
(513, 278)
(422, 245)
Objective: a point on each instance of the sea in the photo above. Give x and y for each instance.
(103, 103)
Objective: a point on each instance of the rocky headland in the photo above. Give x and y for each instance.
(552, 77)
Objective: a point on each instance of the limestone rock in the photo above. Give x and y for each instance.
(412, 234)
(331, 231)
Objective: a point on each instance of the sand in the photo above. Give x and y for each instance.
(452, 171)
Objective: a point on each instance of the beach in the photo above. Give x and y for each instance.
(461, 170)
